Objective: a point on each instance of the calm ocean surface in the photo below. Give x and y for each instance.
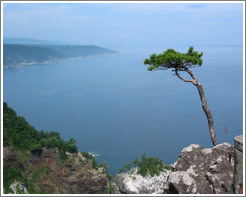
(116, 108)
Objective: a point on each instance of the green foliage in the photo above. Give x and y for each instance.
(87, 155)
(168, 167)
(146, 166)
(111, 189)
(19, 134)
(173, 59)
(42, 191)
(10, 191)
(63, 156)
(109, 176)
(31, 189)
(94, 163)
(90, 157)
(18, 191)
(36, 174)
(10, 174)
(104, 165)
(150, 165)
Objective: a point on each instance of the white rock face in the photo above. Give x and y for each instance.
(197, 171)
(191, 172)
(190, 148)
(18, 184)
(132, 183)
(183, 181)
(206, 151)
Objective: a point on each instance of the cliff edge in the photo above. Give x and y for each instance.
(197, 171)
(42, 171)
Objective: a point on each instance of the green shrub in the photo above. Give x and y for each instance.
(36, 174)
(10, 174)
(146, 166)
(90, 157)
(18, 191)
(111, 189)
(168, 167)
(31, 188)
(150, 165)
(63, 156)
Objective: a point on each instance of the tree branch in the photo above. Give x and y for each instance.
(191, 74)
(185, 80)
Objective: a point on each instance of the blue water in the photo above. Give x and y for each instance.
(116, 108)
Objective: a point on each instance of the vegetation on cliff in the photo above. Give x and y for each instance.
(45, 163)
(146, 166)
(19, 134)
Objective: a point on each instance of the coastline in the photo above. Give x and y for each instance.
(55, 61)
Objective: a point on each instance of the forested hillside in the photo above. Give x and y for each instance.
(41, 162)
(19, 134)
(15, 55)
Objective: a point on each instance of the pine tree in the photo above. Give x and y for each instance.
(183, 62)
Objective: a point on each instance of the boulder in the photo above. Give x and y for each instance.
(182, 182)
(203, 171)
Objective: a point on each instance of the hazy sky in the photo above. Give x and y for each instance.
(118, 25)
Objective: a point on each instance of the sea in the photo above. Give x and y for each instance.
(118, 110)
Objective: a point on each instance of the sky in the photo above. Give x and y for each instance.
(127, 25)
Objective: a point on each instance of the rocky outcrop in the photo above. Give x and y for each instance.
(45, 172)
(197, 171)
(132, 183)
(181, 182)
(18, 188)
(203, 171)
(238, 170)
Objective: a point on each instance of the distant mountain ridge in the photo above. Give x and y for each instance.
(17, 55)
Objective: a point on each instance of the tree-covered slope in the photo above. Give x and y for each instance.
(19, 134)
(41, 162)
(15, 55)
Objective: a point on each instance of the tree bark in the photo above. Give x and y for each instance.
(204, 103)
(207, 112)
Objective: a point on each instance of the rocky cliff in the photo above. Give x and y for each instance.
(43, 171)
(197, 171)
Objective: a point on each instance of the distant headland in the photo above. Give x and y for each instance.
(18, 52)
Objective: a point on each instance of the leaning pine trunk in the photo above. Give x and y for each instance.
(207, 112)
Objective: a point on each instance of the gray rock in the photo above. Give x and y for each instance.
(218, 175)
(210, 169)
(182, 182)
(132, 183)
(197, 171)
(17, 185)
(238, 171)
